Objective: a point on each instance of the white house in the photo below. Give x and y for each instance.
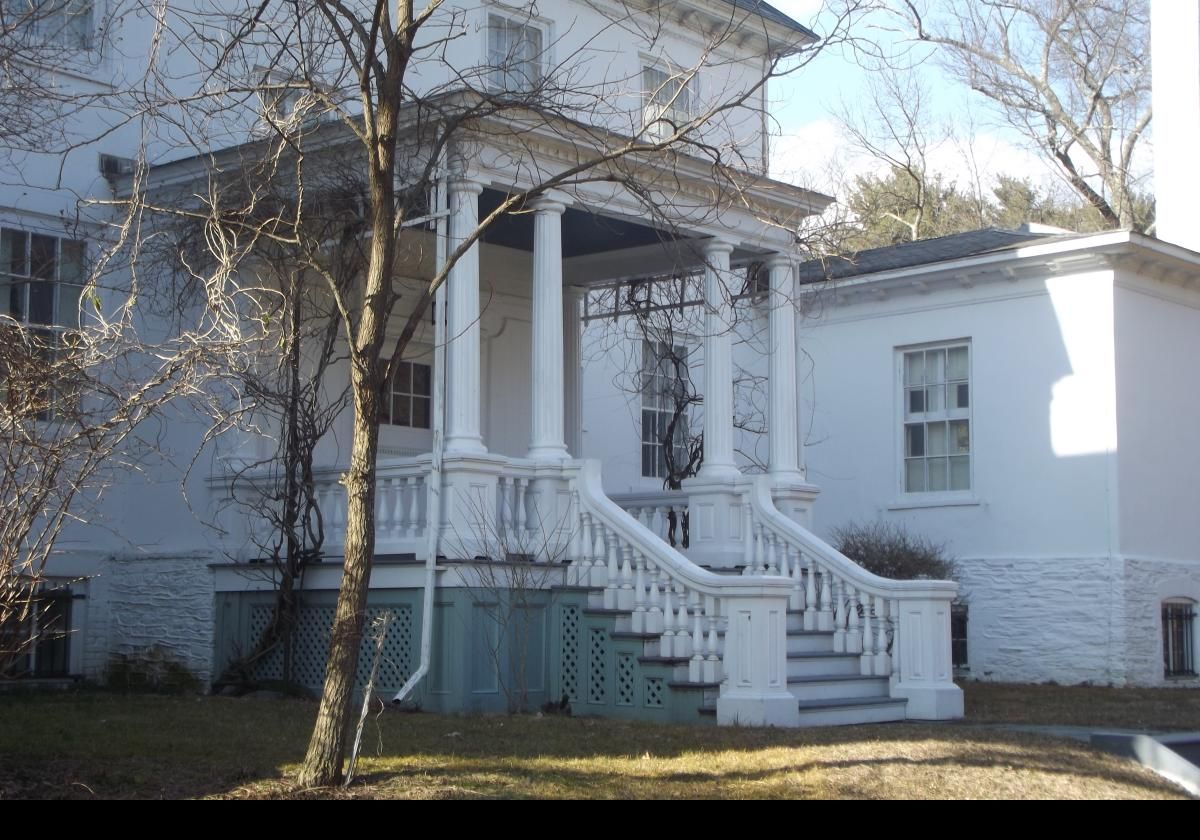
(756, 620)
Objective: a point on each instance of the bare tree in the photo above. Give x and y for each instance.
(1072, 75)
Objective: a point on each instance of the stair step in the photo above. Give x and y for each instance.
(809, 641)
(601, 611)
(629, 634)
(849, 711)
(838, 686)
(818, 664)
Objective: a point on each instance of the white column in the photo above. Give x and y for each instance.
(783, 409)
(548, 443)
(462, 351)
(572, 370)
(718, 363)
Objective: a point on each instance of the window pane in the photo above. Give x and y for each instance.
(915, 440)
(13, 252)
(648, 455)
(935, 366)
(420, 406)
(962, 395)
(42, 256)
(68, 305)
(957, 363)
(933, 398)
(960, 436)
(41, 303)
(402, 382)
(914, 368)
(401, 413)
(70, 266)
(916, 401)
(13, 299)
(422, 380)
(960, 473)
(937, 438)
(914, 475)
(937, 474)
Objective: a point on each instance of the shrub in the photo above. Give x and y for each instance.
(890, 551)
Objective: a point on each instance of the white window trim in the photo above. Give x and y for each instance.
(688, 347)
(904, 499)
(513, 14)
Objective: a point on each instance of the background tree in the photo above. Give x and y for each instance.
(1073, 76)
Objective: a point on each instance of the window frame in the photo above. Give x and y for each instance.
(498, 73)
(51, 22)
(1188, 637)
(648, 369)
(388, 413)
(660, 120)
(946, 415)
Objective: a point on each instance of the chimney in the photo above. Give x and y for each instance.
(1175, 56)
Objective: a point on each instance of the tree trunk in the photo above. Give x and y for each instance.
(327, 747)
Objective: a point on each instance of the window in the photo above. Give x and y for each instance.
(937, 418)
(664, 400)
(1179, 637)
(407, 401)
(41, 280)
(670, 101)
(64, 23)
(515, 48)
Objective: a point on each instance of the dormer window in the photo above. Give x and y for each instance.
(515, 54)
(670, 101)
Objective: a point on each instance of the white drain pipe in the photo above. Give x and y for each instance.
(433, 511)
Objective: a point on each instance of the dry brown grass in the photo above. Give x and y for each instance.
(101, 745)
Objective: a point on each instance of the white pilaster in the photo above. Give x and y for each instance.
(783, 410)
(718, 364)
(572, 369)
(548, 442)
(462, 352)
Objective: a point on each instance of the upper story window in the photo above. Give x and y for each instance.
(407, 401)
(41, 278)
(65, 23)
(670, 101)
(665, 408)
(516, 48)
(937, 418)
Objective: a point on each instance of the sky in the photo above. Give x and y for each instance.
(811, 149)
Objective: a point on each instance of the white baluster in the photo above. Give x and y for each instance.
(712, 658)
(522, 484)
(772, 567)
(613, 573)
(683, 639)
(811, 604)
(654, 615)
(638, 622)
(414, 506)
(883, 660)
(839, 616)
(868, 654)
(598, 576)
(696, 666)
(383, 513)
(894, 670)
(666, 647)
(825, 615)
(625, 595)
(853, 633)
(397, 499)
(747, 537)
(503, 520)
(656, 522)
(796, 600)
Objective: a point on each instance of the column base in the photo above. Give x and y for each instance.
(549, 454)
(931, 702)
(464, 446)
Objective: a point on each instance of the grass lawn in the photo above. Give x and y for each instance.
(95, 744)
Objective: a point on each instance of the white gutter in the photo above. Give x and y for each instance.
(434, 484)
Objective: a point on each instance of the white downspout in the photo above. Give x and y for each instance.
(433, 510)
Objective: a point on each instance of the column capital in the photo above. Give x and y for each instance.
(778, 260)
(464, 184)
(715, 246)
(551, 201)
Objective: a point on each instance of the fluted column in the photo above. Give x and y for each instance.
(718, 363)
(547, 442)
(783, 409)
(462, 352)
(572, 369)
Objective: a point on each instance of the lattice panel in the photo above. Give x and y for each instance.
(395, 665)
(569, 653)
(626, 692)
(311, 647)
(597, 666)
(654, 692)
(270, 667)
